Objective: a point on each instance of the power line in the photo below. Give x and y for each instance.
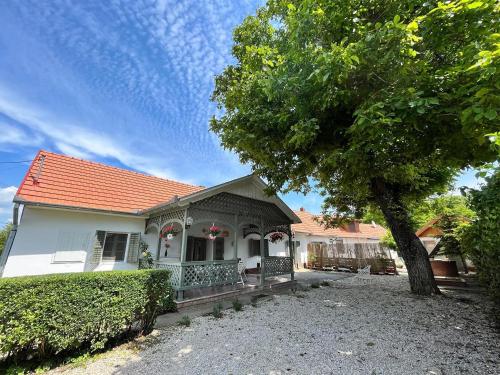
(15, 162)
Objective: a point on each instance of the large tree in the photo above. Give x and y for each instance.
(373, 102)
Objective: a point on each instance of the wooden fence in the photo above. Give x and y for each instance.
(341, 256)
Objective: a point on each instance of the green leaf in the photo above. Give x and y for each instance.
(396, 18)
(475, 4)
(491, 114)
(412, 26)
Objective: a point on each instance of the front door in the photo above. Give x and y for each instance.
(196, 249)
(219, 248)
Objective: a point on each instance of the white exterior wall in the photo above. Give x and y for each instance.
(38, 236)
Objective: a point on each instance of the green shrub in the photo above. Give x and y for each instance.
(481, 239)
(184, 321)
(42, 316)
(237, 305)
(217, 311)
(315, 285)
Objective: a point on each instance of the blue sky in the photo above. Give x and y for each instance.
(126, 83)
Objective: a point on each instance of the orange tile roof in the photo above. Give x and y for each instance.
(312, 227)
(68, 181)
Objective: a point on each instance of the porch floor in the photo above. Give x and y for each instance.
(208, 294)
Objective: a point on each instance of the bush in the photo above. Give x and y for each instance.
(481, 238)
(184, 321)
(217, 311)
(237, 305)
(48, 315)
(315, 285)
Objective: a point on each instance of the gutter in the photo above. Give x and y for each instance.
(139, 214)
(10, 238)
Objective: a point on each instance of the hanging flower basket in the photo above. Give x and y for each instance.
(276, 237)
(168, 232)
(213, 232)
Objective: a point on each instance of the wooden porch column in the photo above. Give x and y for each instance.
(236, 230)
(180, 293)
(292, 251)
(262, 255)
(184, 238)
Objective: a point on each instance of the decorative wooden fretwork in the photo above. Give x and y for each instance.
(175, 273)
(165, 217)
(275, 266)
(190, 275)
(226, 205)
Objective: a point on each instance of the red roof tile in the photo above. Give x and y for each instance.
(310, 226)
(68, 181)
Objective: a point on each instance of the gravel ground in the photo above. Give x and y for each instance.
(347, 328)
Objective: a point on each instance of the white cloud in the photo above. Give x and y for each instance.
(6, 196)
(76, 140)
(15, 135)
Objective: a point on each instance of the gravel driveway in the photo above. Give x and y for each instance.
(347, 328)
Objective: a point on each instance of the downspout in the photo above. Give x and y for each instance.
(10, 238)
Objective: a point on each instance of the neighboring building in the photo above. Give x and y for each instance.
(352, 241)
(72, 215)
(430, 234)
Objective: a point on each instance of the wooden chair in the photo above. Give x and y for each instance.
(364, 273)
(241, 272)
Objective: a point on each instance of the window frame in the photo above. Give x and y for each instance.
(125, 254)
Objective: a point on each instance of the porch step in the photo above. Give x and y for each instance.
(233, 293)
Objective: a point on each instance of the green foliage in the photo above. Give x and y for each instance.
(450, 206)
(237, 305)
(452, 228)
(388, 241)
(4, 234)
(48, 315)
(423, 211)
(347, 93)
(217, 311)
(481, 238)
(185, 321)
(146, 261)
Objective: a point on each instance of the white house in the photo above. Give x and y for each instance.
(73, 215)
(353, 241)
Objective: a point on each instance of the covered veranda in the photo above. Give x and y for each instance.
(200, 264)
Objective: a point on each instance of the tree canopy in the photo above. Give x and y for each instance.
(4, 234)
(349, 91)
(377, 102)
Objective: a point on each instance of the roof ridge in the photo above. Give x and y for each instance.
(41, 152)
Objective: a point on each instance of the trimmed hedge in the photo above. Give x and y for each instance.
(47, 315)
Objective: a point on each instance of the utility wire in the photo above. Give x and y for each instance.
(15, 162)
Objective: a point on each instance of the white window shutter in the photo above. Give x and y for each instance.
(133, 247)
(100, 235)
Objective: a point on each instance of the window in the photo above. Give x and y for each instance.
(115, 246)
(254, 247)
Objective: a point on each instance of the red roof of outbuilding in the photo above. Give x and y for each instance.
(310, 226)
(66, 181)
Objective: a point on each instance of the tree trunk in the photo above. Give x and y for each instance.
(414, 253)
